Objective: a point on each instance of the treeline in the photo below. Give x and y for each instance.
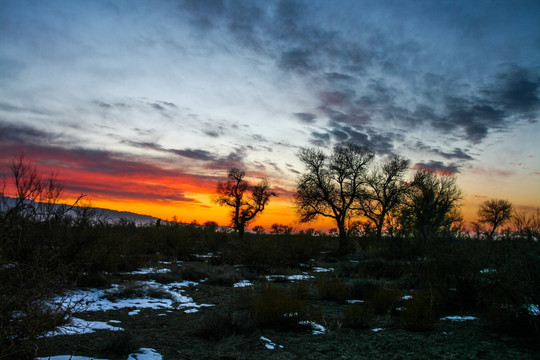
(415, 240)
(368, 195)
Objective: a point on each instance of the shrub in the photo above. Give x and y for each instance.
(379, 268)
(119, 344)
(274, 307)
(194, 271)
(385, 301)
(224, 275)
(365, 289)
(300, 290)
(331, 288)
(217, 326)
(358, 316)
(512, 320)
(421, 311)
(347, 269)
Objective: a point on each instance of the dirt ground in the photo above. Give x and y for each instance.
(171, 334)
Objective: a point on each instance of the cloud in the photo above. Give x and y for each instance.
(320, 138)
(210, 159)
(307, 118)
(16, 134)
(297, 60)
(518, 91)
(437, 167)
(195, 154)
(456, 153)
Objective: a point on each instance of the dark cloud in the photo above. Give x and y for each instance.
(235, 159)
(212, 133)
(292, 169)
(308, 118)
(169, 104)
(519, 91)
(438, 167)
(334, 76)
(143, 144)
(320, 138)
(21, 134)
(204, 13)
(457, 153)
(296, 59)
(211, 160)
(195, 154)
(381, 142)
(157, 106)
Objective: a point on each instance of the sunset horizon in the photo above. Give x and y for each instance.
(145, 106)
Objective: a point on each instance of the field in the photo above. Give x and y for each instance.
(189, 292)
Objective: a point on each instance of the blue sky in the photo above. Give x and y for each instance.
(153, 90)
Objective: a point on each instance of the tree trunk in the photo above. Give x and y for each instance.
(344, 247)
(241, 232)
(379, 230)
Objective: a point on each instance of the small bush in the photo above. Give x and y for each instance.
(93, 279)
(385, 301)
(512, 320)
(347, 269)
(217, 326)
(365, 288)
(381, 268)
(119, 343)
(300, 290)
(274, 307)
(331, 288)
(194, 271)
(421, 311)
(224, 275)
(358, 316)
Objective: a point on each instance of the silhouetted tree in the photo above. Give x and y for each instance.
(384, 190)
(246, 200)
(494, 213)
(281, 229)
(259, 229)
(527, 223)
(331, 184)
(35, 258)
(431, 205)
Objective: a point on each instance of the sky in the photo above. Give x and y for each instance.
(144, 105)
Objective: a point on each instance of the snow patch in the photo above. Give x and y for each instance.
(95, 300)
(459, 318)
(377, 329)
(145, 354)
(269, 344)
(318, 329)
(488, 271)
(149, 270)
(243, 283)
(67, 357)
(290, 277)
(321, 269)
(355, 301)
(78, 326)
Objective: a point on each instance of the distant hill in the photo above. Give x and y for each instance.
(106, 215)
(112, 216)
